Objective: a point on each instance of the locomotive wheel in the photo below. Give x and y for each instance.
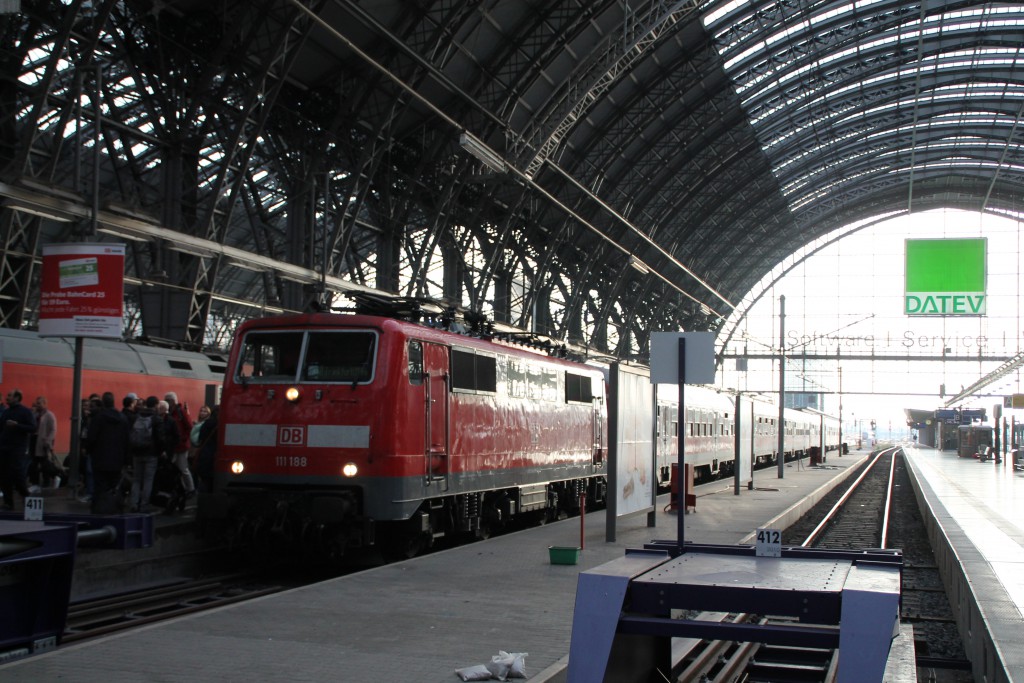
(403, 547)
(403, 541)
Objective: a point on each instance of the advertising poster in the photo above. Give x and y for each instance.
(634, 440)
(945, 277)
(82, 290)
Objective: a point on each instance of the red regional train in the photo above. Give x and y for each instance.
(343, 431)
(43, 366)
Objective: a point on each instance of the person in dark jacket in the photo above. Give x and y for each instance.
(18, 423)
(207, 446)
(85, 485)
(129, 404)
(168, 492)
(166, 434)
(107, 441)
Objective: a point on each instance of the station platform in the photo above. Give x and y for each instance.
(165, 546)
(975, 521)
(422, 619)
(62, 500)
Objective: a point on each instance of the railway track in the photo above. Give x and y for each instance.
(109, 614)
(878, 510)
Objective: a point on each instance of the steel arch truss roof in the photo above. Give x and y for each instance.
(586, 170)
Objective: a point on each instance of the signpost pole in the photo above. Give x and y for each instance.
(76, 419)
(668, 364)
(782, 386)
(681, 447)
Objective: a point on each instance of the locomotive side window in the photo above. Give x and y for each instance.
(487, 374)
(339, 357)
(415, 362)
(577, 388)
(463, 370)
(270, 356)
(515, 371)
(474, 372)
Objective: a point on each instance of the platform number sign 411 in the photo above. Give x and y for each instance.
(34, 509)
(769, 543)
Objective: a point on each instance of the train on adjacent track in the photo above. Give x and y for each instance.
(342, 431)
(43, 366)
(720, 424)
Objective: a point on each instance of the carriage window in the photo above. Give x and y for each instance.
(415, 362)
(270, 356)
(339, 357)
(577, 388)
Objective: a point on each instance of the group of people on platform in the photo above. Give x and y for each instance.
(117, 446)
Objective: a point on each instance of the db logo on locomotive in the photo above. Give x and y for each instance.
(291, 435)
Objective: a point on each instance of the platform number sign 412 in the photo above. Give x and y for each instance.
(769, 543)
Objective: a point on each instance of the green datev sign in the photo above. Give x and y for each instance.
(945, 277)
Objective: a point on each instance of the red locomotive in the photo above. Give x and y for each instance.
(341, 431)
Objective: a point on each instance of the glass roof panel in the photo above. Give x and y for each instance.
(802, 82)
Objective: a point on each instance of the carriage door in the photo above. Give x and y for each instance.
(600, 451)
(437, 407)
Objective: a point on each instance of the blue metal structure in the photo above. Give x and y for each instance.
(121, 532)
(623, 624)
(36, 563)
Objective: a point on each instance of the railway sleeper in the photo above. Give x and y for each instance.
(758, 670)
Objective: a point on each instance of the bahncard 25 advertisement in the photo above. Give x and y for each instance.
(82, 290)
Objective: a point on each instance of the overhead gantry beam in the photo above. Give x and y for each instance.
(113, 223)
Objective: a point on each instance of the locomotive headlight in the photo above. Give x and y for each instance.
(292, 394)
(350, 469)
(237, 467)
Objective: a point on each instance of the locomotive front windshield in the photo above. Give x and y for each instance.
(335, 356)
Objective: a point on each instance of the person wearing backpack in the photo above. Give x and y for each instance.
(144, 453)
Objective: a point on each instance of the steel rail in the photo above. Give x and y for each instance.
(100, 617)
(884, 536)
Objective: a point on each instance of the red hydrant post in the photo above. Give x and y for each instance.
(583, 513)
